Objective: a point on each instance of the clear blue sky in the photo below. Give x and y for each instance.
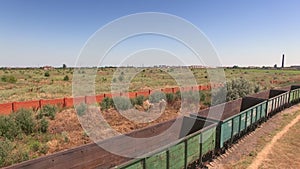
(252, 32)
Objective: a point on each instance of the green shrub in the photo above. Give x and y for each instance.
(43, 125)
(81, 109)
(190, 96)
(122, 103)
(207, 103)
(18, 156)
(257, 88)
(202, 96)
(156, 97)
(66, 78)
(24, 119)
(170, 98)
(235, 89)
(43, 149)
(47, 111)
(238, 88)
(65, 136)
(138, 100)
(34, 145)
(6, 148)
(8, 127)
(47, 74)
(178, 95)
(10, 153)
(9, 79)
(133, 101)
(219, 96)
(106, 103)
(104, 79)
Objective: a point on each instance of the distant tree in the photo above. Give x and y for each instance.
(275, 66)
(235, 67)
(64, 66)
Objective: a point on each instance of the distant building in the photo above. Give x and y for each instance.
(48, 67)
(197, 66)
(253, 67)
(296, 67)
(163, 66)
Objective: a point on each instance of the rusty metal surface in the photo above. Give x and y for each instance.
(274, 93)
(268, 94)
(263, 94)
(295, 87)
(221, 111)
(87, 156)
(226, 110)
(249, 102)
(192, 125)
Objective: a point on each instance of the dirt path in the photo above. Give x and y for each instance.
(241, 154)
(263, 154)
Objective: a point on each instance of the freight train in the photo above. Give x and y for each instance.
(196, 138)
(239, 117)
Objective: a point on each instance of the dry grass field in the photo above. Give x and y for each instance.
(64, 130)
(285, 152)
(34, 84)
